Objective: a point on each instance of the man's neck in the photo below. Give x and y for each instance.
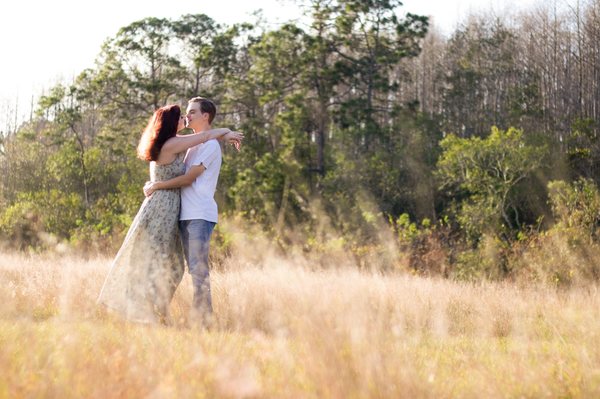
(202, 128)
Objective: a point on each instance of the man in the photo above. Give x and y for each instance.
(199, 214)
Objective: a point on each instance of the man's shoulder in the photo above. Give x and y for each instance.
(207, 145)
(213, 144)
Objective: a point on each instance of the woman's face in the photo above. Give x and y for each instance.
(181, 123)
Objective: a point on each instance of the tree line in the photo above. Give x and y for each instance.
(366, 119)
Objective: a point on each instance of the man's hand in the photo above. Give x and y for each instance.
(149, 188)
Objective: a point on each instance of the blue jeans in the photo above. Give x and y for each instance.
(195, 236)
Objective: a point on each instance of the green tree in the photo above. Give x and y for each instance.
(143, 49)
(209, 51)
(482, 175)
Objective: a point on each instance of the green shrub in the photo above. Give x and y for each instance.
(576, 205)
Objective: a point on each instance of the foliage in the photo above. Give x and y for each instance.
(576, 206)
(346, 150)
(483, 174)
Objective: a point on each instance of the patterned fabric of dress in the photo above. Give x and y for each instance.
(149, 266)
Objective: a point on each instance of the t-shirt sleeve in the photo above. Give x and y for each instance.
(207, 154)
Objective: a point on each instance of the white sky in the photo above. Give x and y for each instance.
(43, 42)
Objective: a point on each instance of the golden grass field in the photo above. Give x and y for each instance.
(285, 330)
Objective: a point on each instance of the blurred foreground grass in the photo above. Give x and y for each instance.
(285, 330)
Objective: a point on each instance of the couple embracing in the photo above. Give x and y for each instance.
(172, 223)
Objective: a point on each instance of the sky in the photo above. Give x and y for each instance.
(44, 42)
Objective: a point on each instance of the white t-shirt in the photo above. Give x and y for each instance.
(197, 199)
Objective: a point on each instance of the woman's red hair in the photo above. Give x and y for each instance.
(161, 127)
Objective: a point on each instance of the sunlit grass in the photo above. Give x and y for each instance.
(286, 331)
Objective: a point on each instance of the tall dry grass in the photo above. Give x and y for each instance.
(285, 329)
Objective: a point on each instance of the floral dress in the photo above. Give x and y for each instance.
(149, 266)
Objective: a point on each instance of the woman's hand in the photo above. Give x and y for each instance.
(149, 188)
(234, 138)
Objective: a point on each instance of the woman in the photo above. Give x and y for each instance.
(149, 266)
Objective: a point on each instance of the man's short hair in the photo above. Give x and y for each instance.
(206, 106)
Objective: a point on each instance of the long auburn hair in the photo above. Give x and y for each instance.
(161, 127)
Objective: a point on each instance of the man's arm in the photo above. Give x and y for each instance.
(176, 182)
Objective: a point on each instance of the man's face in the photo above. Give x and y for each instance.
(194, 116)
